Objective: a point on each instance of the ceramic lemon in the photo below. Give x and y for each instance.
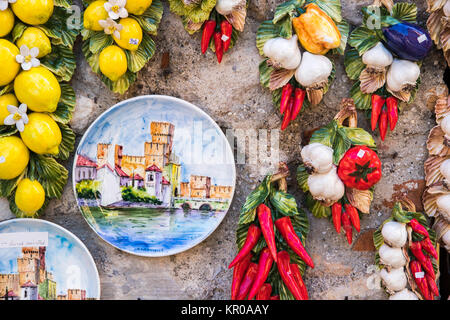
(131, 34)
(137, 7)
(113, 62)
(42, 134)
(6, 22)
(33, 12)
(9, 66)
(30, 196)
(14, 157)
(93, 13)
(33, 37)
(38, 88)
(5, 100)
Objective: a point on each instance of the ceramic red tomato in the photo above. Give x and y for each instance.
(360, 168)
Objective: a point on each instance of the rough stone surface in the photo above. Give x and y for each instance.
(231, 94)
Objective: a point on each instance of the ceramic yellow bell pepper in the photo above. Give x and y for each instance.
(316, 31)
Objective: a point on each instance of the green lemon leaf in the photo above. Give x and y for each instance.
(67, 143)
(7, 89)
(316, 208)
(266, 31)
(150, 19)
(51, 174)
(325, 135)
(405, 11)
(302, 178)
(285, 27)
(137, 59)
(283, 202)
(61, 61)
(363, 39)
(255, 198)
(57, 29)
(62, 3)
(353, 64)
(86, 34)
(92, 59)
(363, 101)
(7, 186)
(376, 17)
(18, 30)
(358, 136)
(331, 7)
(286, 9)
(122, 84)
(6, 131)
(99, 41)
(344, 29)
(66, 105)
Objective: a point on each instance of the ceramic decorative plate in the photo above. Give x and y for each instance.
(154, 176)
(40, 260)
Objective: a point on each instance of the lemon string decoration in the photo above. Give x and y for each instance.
(36, 101)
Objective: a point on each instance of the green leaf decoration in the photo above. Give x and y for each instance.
(405, 12)
(340, 146)
(150, 19)
(51, 174)
(99, 41)
(66, 105)
(122, 84)
(20, 214)
(197, 12)
(255, 198)
(363, 39)
(286, 9)
(325, 135)
(284, 292)
(6, 131)
(358, 136)
(284, 202)
(61, 62)
(266, 31)
(62, 3)
(374, 17)
(378, 239)
(7, 186)
(137, 59)
(302, 178)
(92, 59)
(331, 7)
(300, 223)
(17, 31)
(67, 143)
(7, 89)
(285, 27)
(56, 28)
(264, 73)
(353, 64)
(344, 29)
(86, 34)
(241, 234)
(316, 207)
(363, 101)
(260, 245)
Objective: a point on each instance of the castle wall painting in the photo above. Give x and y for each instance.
(154, 175)
(57, 268)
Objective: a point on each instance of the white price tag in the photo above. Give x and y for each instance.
(419, 275)
(361, 153)
(2, 159)
(422, 38)
(23, 239)
(133, 41)
(224, 38)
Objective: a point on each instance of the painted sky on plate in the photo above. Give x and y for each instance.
(201, 148)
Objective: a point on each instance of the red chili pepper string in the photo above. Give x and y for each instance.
(428, 247)
(392, 106)
(377, 104)
(218, 44)
(238, 273)
(253, 235)
(347, 226)
(264, 292)
(336, 212)
(298, 277)
(264, 266)
(383, 124)
(420, 279)
(227, 29)
(299, 97)
(354, 216)
(266, 224)
(247, 281)
(287, 114)
(418, 228)
(287, 275)
(286, 93)
(208, 31)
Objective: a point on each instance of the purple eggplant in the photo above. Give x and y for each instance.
(407, 40)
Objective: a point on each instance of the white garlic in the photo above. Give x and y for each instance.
(225, 7)
(402, 73)
(443, 204)
(445, 169)
(394, 280)
(318, 158)
(284, 52)
(405, 294)
(314, 69)
(378, 56)
(446, 8)
(326, 187)
(391, 256)
(445, 126)
(394, 234)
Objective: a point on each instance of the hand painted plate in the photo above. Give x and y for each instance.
(40, 260)
(154, 176)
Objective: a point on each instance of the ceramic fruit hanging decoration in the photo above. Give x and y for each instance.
(385, 60)
(407, 255)
(339, 169)
(36, 102)
(219, 21)
(438, 25)
(117, 40)
(436, 197)
(294, 45)
(271, 238)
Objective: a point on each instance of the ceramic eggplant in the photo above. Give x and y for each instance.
(407, 40)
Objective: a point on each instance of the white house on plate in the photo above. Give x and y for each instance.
(153, 181)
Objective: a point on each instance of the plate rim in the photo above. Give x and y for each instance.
(169, 98)
(78, 240)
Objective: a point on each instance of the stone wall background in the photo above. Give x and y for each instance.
(230, 93)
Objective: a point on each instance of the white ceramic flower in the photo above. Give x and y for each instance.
(18, 116)
(27, 57)
(111, 27)
(4, 4)
(116, 9)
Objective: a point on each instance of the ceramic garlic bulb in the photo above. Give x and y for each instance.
(391, 256)
(283, 53)
(443, 204)
(234, 11)
(404, 294)
(394, 234)
(326, 187)
(317, 158)
(445, 169)
(376, 60)
(225, 7)
(401, 78)
(313, 74)
(445, 126)
(395, 280)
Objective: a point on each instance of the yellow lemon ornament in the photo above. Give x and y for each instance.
(130, 35)
(6, 22)
(137, 7)
(33, 11)
(5, 101)
(30, 196)
(42, 134)
(113, 62)
(8, 64)
(93, 13)
(33, 37)
(14, 157)
(38, 88)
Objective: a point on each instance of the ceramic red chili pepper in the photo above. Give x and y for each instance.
(227, 29)
(264, 266)
(253, 235)
(266, 224)
(428, 247)
(287, 275)
(354, 216)
(238, 273)
(432, 285)
(247, 281)
(416, 250)
(286, 93)
(284, 225)
(360, 168)
(277, 297)
(336, 211)
(346, 224)
(299, 97)
(208, 31)
(377, 104)
(427, 265)
(418, 228)
(218, 45)
(392, 107)
(298, 277)
(287, 114)
(383, 124)
(264, 292)
(419, 278)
